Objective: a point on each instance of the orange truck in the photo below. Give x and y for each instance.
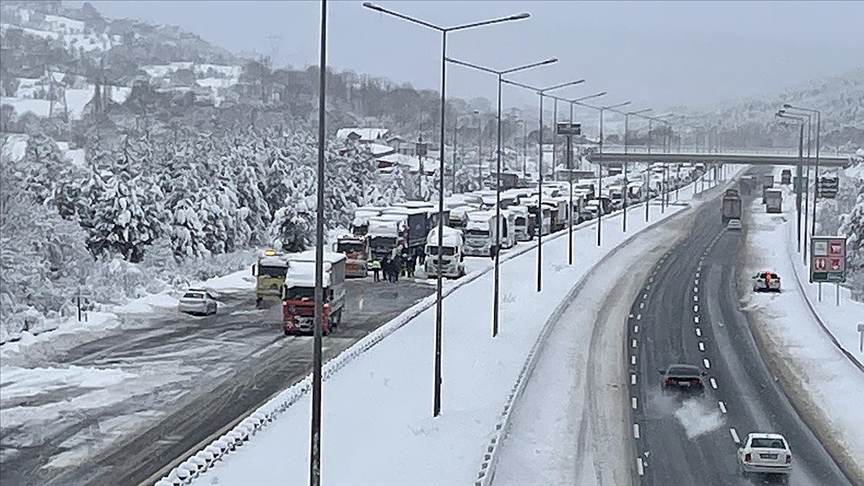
(298, 293)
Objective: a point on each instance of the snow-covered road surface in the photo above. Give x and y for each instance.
(156, 382)
(570, 425)
(819, 379)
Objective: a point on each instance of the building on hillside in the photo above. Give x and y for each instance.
(363, 135)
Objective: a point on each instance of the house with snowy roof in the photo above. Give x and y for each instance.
(363, 135)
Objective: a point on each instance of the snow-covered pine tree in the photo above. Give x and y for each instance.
(48, 177)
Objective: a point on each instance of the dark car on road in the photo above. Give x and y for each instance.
(683, 377)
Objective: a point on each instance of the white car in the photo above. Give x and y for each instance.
(765, 454)
(766, 282)
(197, 301)
(734, 224)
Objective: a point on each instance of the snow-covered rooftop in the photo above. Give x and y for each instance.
(364, 134)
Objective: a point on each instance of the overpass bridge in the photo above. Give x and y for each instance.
(715, 158)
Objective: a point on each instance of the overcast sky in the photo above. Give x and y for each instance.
(656, 54)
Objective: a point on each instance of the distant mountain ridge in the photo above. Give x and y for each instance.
(48, 35)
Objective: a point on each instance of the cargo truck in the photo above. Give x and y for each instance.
(386, 234)
(298, 293)
(786, 176)
(269, 272)
(731, 208)
(356, 251)
(773, 201)
(419, 224)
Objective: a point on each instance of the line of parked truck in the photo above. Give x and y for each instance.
(471, 228)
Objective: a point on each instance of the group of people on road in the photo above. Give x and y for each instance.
(393, 266)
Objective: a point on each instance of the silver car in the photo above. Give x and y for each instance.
(198, 302)
(734, 224)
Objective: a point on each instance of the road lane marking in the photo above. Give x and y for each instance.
(636, 430)
(633, 344)
(698, 332)
(713, 383)
(706, 363)
(632, 379)
(633, 402)
(640, 467)
(722, 407)
(735, 436)
(701, 346)
(633, 359)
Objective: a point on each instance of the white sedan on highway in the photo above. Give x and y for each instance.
(197, 301)
(764, 453)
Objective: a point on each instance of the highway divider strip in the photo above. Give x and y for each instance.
(799, 280)
(194, 465)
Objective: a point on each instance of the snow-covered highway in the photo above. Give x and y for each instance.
(131, 398)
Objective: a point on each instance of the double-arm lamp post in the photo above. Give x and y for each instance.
(539, 222)
(800, 121)
(601, 110)
(496, 250)
(818, 114)
(436, 407)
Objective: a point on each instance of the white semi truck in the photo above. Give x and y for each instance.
(452, 253)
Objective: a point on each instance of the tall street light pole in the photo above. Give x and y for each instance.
(601, 109)
(436, 408)
(816, 174)
(499, 73)
(479, 150)
(455, 146)
(570, 173)
(315, 433)
(800, 121)
(541, 93)
(626, 165)
(806, 187)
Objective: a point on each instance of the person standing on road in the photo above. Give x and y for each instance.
(386, 264)
(397, 267)
(375, 265)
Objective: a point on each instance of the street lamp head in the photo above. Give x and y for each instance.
(372, 6)
(781, 111)
(523, 15)
(549, 61)
(787, 105)
(476, 112)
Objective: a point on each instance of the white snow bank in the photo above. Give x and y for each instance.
(823, 377)
(377, 423)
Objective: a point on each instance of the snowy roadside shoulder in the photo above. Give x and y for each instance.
(377, 420)
(832, 305)
(825, 386)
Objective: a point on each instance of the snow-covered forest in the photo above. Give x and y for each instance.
(144, 207)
